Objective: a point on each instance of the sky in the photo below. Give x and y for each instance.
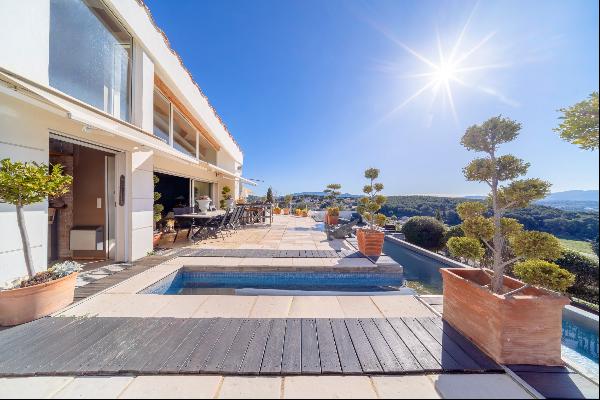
(317, 91)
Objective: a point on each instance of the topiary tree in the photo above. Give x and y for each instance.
(225, 195)
(580, 123)
(157, 208)
(25, 183)
(370, 204)
(504, 237)
(332, 192)
(585, 270)
(269, 197)
(545, 274)
(426, 232)
(466, 248)
(288, 200)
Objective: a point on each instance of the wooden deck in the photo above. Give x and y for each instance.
(113, 346)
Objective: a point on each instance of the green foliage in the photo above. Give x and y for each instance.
(586, 275)
(332, 192)
(269, 197)
(596, 245)
(533, 244)
(27, 183)
(493, 132)
(471, 209)
(157, 209)
(333, 211)
(372, 203)
(545, 274)
(521, 193)
(225, 195)
(454, 231)
(478, 227)
(426, 232)
(288, 200)
(466, 248)
(580, 123)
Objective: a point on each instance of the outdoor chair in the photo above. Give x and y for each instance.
(341, 231)
(181, 224)
(215, 226)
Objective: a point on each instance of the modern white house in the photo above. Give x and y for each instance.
(94, 85)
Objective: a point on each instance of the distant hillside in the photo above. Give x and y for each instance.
(573, 195)
(565, 224)
(343, 195)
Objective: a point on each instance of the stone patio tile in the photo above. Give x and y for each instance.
(250, 388)
(32, 388)
(315, 307)
(353, 262)
(135, 305)
(172, 387)
(306, 262)
(255, 262)
(328, 387)
(282, 262)
(92, 306)
(401, 306)
(105, 387)
(181, 306)
(271, 307)
(358, 307)
(478, 386)
(226, 307)
(405, 387)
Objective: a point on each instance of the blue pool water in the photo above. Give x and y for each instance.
(185, 282)
(580, 345)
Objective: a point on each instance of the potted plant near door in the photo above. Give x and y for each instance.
(157, 211)
(38, 294)
(370, 239)
(332, 215)
(515, 322)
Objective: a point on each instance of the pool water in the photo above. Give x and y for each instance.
(580, 346)
(189, 282)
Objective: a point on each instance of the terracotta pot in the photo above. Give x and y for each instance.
(523, 329)
(285, 211)
(298, 213)
(370, 242)
(305, 213)
(332, 219)
(18, 306)
(156, 238)
(276, 211)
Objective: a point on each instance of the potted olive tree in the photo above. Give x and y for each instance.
(157, 214)
(38, 294)
(333, 211)
(370, 239)
(226, 198)
(515, 322)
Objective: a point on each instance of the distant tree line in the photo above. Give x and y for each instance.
(576, 225)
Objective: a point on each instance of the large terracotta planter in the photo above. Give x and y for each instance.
(156, 238)
(277, 211)
(18, 306)
(332, 219)
(370, 242)
(285, 211)
(522, 329)
(305, 213)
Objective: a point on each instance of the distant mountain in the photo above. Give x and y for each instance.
(573, 195)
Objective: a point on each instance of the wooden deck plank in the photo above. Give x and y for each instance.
(348, 358)
(421, 354)
(219, 352)
(385, 355)
(330, 360)
(237, 351)
(139, 358)
(197, 358)
(256, 349)
(291, 363)
(403, 354)
(364, 351)
(174, 363)
(447, 362)
(311, 359)
(272, 358)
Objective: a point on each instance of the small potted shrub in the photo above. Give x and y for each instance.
(298, 212)
(157, 211)
(332, 216)
(38, 294)
(276, 210)
(288, 201)
(515, 322)
(226, 201)
(370, 239)
(332, 191)
(304, 212)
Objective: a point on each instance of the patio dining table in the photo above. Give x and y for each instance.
(205, 218)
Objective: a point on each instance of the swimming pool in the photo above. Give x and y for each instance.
(189, 282)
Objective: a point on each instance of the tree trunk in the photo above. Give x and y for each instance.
(25, 241)
(498, 240)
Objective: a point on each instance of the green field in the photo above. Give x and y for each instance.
(579, 246)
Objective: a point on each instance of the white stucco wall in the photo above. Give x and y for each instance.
(142, 201)
(22, 138)
(24, 38)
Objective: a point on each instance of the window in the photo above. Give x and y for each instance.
(162, 112)
(203, 189)
(90, 55)
(184, 134)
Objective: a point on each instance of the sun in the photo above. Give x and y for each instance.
(444, 73)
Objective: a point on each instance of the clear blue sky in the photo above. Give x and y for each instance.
(315, 91)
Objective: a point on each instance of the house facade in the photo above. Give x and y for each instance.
(93, 85)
